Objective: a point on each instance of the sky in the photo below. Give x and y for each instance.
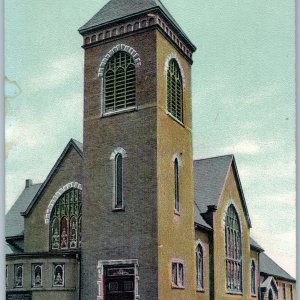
(243, 98)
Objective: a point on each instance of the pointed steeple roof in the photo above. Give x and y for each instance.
(117, 10)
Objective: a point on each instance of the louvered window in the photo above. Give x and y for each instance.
(233, 251)
(119, 83)
(175, 91)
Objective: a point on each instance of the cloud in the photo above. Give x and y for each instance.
(55, 73)
(243, 147)
(12, 89)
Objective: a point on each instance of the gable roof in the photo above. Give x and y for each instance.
(14, 222)
(116, 10)
(72, 144)
(268, 266)
(210, 176)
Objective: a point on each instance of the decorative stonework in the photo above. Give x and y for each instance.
(139, 24)
(111, 52)
(100, 274)
(174, 56)
(117, 151)
(56, 196)
(199, 242)
(179, 158)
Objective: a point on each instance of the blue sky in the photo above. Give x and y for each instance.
(243, 97)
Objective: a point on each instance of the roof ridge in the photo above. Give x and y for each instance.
(213, 157)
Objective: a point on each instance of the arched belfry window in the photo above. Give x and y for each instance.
(175, 90)
(119, 181)
(65, 221)
(176, 184)
(233, 250)
(119, 82)
(253, 278)
(199, 267)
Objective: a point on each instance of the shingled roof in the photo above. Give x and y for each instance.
(14, 222)
(269, 267)
(209, 180)
(116, 10)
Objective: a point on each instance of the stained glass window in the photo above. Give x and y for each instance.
(65, 230)
(199, 267)
(233, 251)
(119, 82)
(36, 275)
(18, 275)
(176, 183)
(175, 90)
(253, 278)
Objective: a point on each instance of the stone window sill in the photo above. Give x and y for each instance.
(120, 111)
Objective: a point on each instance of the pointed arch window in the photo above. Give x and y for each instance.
(175, 90)
(199, 267)
(119, 82)
(176, 184)
(65, 221)
(233, 250)
(253, 278)
(119, 181)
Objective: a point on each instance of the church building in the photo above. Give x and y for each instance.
(128, 214)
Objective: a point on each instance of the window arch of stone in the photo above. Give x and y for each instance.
(118, 79)
(233, 250)
(117, 158)
(199, 265)
(65, 221)
(175, 90)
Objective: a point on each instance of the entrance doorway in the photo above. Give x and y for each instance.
(119, 282)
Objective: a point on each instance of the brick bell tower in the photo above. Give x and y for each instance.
(138, 201)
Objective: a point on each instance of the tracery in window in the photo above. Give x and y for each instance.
(233, 250)
(119, 82)
(175, 90)
(36, 275)
(18, 275)
(58, 274)
(199, 267)
(253, 278)
(65, 221)
(176, 184)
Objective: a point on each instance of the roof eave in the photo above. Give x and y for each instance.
(83, 29)
(278, 277)
(200, 226)
(257, 248)
(71, 143)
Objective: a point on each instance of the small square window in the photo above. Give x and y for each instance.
(58, 274)
(18, 275)
(177, 274)
(36, 275)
